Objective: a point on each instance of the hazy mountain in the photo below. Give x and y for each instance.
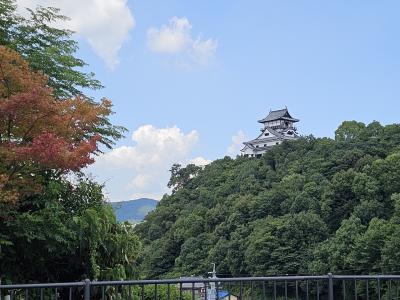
(133, 210)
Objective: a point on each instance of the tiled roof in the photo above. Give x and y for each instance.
(274, 132)
(275, 136)
(278, 114)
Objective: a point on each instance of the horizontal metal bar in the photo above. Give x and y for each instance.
(207, 280)
(199, 280)
(352, 277)
(42, 285)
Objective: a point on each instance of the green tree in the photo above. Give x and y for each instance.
(390, 253)
(349, 130)
(52, 51)
(332, 254)
(338, 200)
(365, 256)
(284, 245)
(193, 255)
(47, 49)
(181, 176)
(67, 240)
(387, 172)
(236, 251)
(63, 231)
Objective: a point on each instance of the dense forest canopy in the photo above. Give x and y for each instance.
(308, 206)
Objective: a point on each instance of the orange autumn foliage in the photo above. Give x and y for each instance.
(38, 133)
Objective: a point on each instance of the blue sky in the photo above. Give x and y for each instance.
(327, 61)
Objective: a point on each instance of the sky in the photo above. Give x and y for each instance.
(190, 79)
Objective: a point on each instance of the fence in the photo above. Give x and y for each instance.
(324, 287)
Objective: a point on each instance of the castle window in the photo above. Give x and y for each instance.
(266, 134)
(277, 143)
(257, 146)
(265, 145)
(290, 132)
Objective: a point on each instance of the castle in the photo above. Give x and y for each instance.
(278, 126)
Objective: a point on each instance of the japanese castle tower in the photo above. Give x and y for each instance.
(277, 127)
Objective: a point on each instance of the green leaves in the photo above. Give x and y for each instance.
(349, 130)
(283, 245)
(61, 231)
(180, 177)
(68, 233)
(310, 206)
(52, 51)
(48, 49)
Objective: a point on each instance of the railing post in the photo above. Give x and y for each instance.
(87, 290)
(330, 286)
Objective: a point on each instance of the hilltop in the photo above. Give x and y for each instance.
(307, 206)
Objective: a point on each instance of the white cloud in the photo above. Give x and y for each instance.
(237, 144)
(176, 38)
(140, 181)
(198, 161)
(142, 169)
(105, 24)
(203, 51)
(172, 38)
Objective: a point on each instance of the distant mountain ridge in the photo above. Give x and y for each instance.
(133, 211)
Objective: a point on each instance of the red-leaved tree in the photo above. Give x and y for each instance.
(39, 135)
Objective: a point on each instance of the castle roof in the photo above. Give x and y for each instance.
(282, 114)
(275, 136)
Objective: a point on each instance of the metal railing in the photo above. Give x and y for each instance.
(330, 287)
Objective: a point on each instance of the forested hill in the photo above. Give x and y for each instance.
(133, 211)
(309, 206)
